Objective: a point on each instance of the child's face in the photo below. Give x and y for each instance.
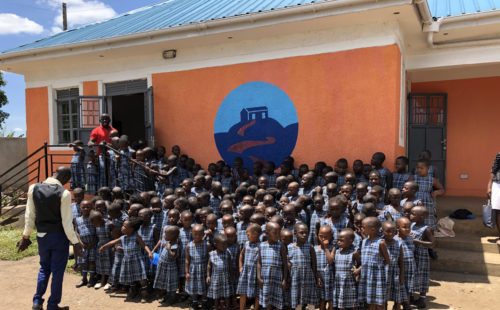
(293, 189)
(358, 224)
(350, 179)
(357, 167)
(146, 216)
(247, 200)
(253, 236)
(78, 197)
(325, 235)
(211, 222)
(361, 191)
(273, 233)
(318, 204)
(389, 232)
(133, 212)
(221, 246)
(226, 209)
(246, 214)
(345, 240)
(156, 207)
(301, 234)
(341, 168)
(269, 213)
(346, 191)
(85, 208)
(404, 229)
(100, 206)
(366, 170)
(422, 169)
(289, 214)
(335, 210)
(407, 210)
(374, 179)
(186, 221)
(284, 201)
(173, 218)
(416, 216)
(400, 165)
(126, 229)
(394, 198)
(369, 230)
(97, 221)
(262, 183)
(227, 222)
(286, 237)
(197, 235)
(231, 238)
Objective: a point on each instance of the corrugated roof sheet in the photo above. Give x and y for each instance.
(167, 14)
(447, 8)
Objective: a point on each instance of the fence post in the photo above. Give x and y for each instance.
(46, 158)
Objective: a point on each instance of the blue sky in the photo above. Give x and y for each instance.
(24, 21)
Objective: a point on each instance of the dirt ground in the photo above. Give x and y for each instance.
(18, 282)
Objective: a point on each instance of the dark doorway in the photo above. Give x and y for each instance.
(128, 116)
(427, 130)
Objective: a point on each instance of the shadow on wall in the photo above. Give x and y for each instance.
(13, 150)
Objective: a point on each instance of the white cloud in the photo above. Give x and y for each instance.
(17, 129)
(80, 12)
(15, 24)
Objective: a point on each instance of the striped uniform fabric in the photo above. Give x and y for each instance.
(345, 293)
(340, 181)
(425, 187)
(125, 178)
(373, 282)
(399, 180)
(247, 283)
(394, 288)
(147, 234)
(337, 226)
(220, 285)
(114, 278)
(271, 293)
(196, 285)
(92, 178)
(384, 175)
(389, 210)
(410, 267)
(75, 210)
(241, 231)
(325, 271)
(422, 261)
(157, 219)
(113, 171)
(234, 250)
(215, 204)
(227, 182)
(167, 271)
(315, 219)
(140, 178)
(271, 180)
(87, 234)
(77, 170)
(184, 239)
(132, 268)
(104, 260)
(303, 282)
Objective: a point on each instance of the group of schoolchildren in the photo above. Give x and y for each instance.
(279, 238)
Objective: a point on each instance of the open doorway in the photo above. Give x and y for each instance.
(128, 116)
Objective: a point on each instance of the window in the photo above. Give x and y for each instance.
(68, 115)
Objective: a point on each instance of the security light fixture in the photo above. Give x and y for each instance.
(169, 54)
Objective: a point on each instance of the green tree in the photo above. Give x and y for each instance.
(3, 101)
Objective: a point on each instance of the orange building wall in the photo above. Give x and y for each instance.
(347, 103)
(472, 132)
(90, 88)
(37, 122)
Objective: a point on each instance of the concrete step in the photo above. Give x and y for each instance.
(467, 262)
(473, 227)
(469, 243)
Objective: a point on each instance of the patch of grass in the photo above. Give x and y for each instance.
(8, 240)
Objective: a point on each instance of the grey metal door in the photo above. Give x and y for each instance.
(149, 119)
(427, 130)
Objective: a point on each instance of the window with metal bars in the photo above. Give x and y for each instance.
(68, 115)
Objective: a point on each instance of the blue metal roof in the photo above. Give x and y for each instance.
(447, 8)
(167, 14)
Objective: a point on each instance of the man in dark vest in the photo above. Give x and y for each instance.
(49, 211)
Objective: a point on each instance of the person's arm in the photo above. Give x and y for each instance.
(384, 252)
(242, 259)
(29, 215)
(401, 266)
(172, 251)
(209, 271)
(314, 267)
(188, 262)
(143, 245)
(259, 272)
(67, 218)
(284, 256)
(438, 188)
(92, 138)
(428, 239)
(109, 244)
(388, 181)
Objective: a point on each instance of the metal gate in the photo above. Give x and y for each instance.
(427, 130)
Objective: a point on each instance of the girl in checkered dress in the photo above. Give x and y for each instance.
(233, 248)
(125, 178)
(219, 271)
(150, 235)
(325, 253)
(423, 240)
(347, 258)
(316, 216)
(372, 289)
(272, 269)
(86, 233)
(196, 266)
(184, 238)
(428, 189)
(132, 271)
(395, 277)
(104, 260)
(77, 165)
(92, 173)
(404, 230)
(303, 272)
(401, 175)
(247, 284)
(336, 217)
(393, 210)
(167, 271)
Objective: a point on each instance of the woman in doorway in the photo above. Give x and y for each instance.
(494, 192)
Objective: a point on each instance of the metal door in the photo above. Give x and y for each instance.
(427, 130)
(149, 120)
(91, 108)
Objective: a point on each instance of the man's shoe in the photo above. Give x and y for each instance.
(81, 283)
(37, 307)
(421, 303)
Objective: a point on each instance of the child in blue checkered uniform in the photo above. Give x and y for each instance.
(167, 271)
(401, 175)
(78, 195)
(241, 227)
(185, 237)
(125, 178)
(347, 257)
(393, 211)
(219, 272)
(247, 283)
(303, 273)
(86, 233)
(92, 173)
(196, 266)
(407, 243)
(423, 240)
(318, 213)
(77, 165)
(132, 270)
(325, 252)
(377, 162)
(272, 269)
(150, 235)
(157, 212)
(234, 248)
(372, 289)
(104, 260)
(336, 217)
(395, 274)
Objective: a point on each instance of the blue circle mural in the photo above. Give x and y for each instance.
(257, 121)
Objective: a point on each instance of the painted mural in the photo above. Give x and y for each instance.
(256, 121)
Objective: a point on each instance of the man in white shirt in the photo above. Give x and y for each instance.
(49, 211)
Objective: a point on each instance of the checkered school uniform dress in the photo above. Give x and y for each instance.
(388, 209)
(147, 235)
(75, 210)
(340, 181)
(77, 170)
(325, 272)
(422, 261)
(358, 240)
(140, 178)
(315, 219)
(425, 187)
(87, 234)
(303, 283)
(113, 171)
(320, 181)
(215, 204)
(241, 231)
(167, 271)
(234, 250)
(337, 226)
(345, 293)
(247, 283)
(227, 182)
(384, 174)
(399, 180)
(393, 287)
(92, 178)
(132, 269)
(185, 238)
(271, 293)
(373, 282)
(125, 178)
(410, 267)
(114, 278)
(271, 179)
(183, 173)
(104, 260)
(305, 191)
(196, 285)
(220, 285)
(157, 219)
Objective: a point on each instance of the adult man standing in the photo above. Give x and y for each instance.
(102, 132)
(49, 211)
